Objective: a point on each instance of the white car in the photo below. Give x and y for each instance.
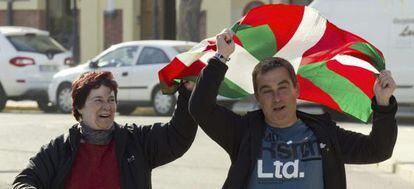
(28, 60)
(135, 66)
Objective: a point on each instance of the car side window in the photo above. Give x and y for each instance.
(152, 55)
(124, 56)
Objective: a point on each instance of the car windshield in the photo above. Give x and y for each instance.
(35, 43)
(182, 48)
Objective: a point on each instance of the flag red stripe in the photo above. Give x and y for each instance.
(193, 70)
(357, 54)
(211, 46)
(333, 42)
(360, 77)
(237, 40)
(282, 22)
(177, 69)
(308, 91)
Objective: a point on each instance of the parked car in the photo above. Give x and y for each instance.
(135, 66)
(28, 60)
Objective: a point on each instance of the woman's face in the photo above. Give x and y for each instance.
(99, 109)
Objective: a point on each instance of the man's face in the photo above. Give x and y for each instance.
(99, 109)
(277, 95)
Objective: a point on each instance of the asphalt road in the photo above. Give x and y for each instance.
(204, 166)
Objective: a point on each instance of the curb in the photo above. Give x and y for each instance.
(141, 111)
(18, 106)
(20, 109)
(387, 166)
(405, 170)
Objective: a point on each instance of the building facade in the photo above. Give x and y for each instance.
(102, 23)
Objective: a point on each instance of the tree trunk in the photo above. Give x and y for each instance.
(189, 20)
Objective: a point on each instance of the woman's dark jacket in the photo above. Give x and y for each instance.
(139, 149)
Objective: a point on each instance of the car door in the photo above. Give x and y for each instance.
(120, 62)
(151, 60)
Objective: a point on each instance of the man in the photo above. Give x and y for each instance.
(278, 146)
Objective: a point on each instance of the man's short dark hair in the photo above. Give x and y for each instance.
(269, 64)
(85, 83)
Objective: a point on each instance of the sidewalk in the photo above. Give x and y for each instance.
(402, 160)
(401, 163)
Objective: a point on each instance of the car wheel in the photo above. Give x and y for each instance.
(3, 99)
(163, 105)
(64, 98)
(45, 106)
(126, 109)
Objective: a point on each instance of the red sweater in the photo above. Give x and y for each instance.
(95, 167)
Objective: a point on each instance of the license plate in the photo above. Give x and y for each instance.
(48, 68)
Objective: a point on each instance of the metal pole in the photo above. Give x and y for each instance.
(9, 16)
(169, 19)
(47, 16)
(75, 33)
(155, 23)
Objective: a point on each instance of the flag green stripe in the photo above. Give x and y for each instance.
(258, 41)
(231, 90)
(371, 52)
(349, 97)
(236, 27)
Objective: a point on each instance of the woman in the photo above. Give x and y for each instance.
(99, 153)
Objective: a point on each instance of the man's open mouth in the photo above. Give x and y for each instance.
(104, 116)
(279, 108)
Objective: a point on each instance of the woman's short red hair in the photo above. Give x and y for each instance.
(82, 86)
